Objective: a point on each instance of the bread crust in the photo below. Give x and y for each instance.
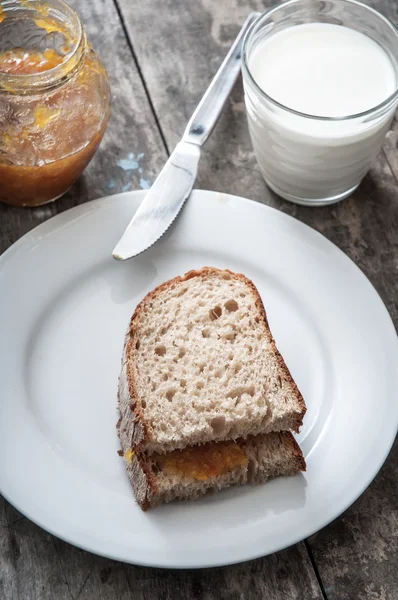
(134, 431)
(295, 450)
(142, 481)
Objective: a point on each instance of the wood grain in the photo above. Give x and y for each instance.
(356, 555)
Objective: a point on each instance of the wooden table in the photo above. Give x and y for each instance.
(160, 55)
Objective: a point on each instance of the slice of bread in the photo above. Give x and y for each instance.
(200, 364)
(155, 479)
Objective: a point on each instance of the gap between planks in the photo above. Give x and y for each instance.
(141, 75)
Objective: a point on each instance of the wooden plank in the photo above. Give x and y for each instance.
(37, 566)
(357, 556)
(92, 577)
(378, 192)
(285, 575)
(253, 580)
(8, 581)
(190, 42)
(28, 569)
(131, 152)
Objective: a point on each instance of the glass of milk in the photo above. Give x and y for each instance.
(321, 88)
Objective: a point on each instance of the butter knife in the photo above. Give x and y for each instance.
(174, 183)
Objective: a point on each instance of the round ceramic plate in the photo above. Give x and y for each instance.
(64, 306)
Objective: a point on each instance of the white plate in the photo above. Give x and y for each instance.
(64, 306)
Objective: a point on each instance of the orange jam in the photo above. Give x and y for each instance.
(48, 134)
(203, 462)
(21, 62)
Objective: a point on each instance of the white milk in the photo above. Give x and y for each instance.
(322, 70)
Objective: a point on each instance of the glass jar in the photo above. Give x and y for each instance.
(306, 158)
(54, 100)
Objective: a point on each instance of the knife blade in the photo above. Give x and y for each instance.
(162, 203)
(174, 184)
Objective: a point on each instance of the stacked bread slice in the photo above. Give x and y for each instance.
(205, 398)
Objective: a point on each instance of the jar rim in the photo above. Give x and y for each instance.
(30, 82)
(246, 69)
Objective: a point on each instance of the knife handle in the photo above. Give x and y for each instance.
(209, 108)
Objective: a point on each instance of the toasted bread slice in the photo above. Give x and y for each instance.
(200, 365)
(188, 474)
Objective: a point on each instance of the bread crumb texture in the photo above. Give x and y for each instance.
(202, 365)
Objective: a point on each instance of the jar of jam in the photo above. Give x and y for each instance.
(54, 100)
